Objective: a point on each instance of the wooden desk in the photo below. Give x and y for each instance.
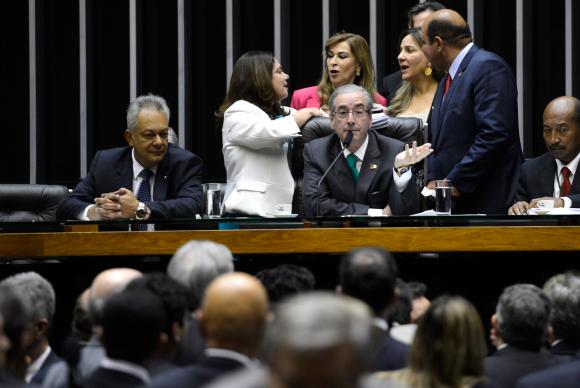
(288, 241)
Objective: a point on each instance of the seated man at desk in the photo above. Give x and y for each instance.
(148, 179)
(551, 176)
(357, 171)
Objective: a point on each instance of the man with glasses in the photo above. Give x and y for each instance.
(357, 171)
(148, 179)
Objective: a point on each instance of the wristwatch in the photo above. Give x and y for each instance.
(142, 211)
(401, 170)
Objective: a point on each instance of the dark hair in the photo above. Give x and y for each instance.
(422, 7)
(173, 296)
(369, 274)
(523, 314)
(400, 312)
(132, 322)
(252, 81)
(457, 35)
(286, 280)
(418, 289)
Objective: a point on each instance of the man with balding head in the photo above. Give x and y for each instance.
(551, 175)
(106, 284)
(232, 319)
(474, 119)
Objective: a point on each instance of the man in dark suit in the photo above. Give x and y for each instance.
(232, 319)
(566, 375)
(474, 119)
(519, 329)
(147, 179)
(39, 295)
(416, 15)
(551, 175)
(363, 181)
(370, 274)
(564, 291)
(133, 322)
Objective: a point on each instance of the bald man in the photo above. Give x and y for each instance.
(545, 177)
(106, 284)
(474, 119)
(232, 319)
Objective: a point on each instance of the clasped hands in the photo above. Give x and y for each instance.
(521, 208)
(118, 205)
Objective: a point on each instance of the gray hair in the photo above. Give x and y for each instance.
(196, 264)
(564, 292)
(351, 89)
(149, 101)
(317, 321)
(523, 315)
(37, 293)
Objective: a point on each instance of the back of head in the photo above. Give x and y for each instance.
(132, 323)
(450, 27)
(251, 81)
(37, 291)
(422, 7)
(319, 339)
(369, 274)
(196, 264)
(172, 294)
(149, 101)
(523, 314)
(286, 280)
(449, 344)
(400, 312)
(105, 285)
(564, 292)
(234, 313)
(17, 315)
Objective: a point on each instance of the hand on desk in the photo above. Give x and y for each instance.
(454, 192)
(118, 205)
(521, 208)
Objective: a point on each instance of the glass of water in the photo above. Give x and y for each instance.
(443, 196)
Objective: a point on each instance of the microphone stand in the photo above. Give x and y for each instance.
(343, 145)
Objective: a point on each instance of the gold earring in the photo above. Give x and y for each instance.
(357, 71)
(428, 71)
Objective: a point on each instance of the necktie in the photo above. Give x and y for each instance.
(351, 159)
(566, 185)
(447, 84)
(144, 192)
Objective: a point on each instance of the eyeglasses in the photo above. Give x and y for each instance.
(357, 113)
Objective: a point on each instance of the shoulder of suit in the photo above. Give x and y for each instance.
(387, 141)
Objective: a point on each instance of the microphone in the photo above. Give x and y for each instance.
(343, 145)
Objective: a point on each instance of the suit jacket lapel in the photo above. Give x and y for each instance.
(546, 179)
(435, 124)
(160, 187)
(370, 165)
(124, 172)
(340, 172)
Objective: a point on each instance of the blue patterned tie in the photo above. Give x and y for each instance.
(144, 192)
(351, 159)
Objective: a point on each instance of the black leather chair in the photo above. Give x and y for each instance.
(405, 129)
(25, 203)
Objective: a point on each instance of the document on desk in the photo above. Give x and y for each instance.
(557, 211)
(433, 213)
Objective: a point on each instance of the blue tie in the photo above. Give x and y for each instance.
(144, 192)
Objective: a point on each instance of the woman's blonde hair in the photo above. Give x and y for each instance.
(362, 54)
(449, 345)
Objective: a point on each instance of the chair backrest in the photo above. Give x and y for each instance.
(24, 203)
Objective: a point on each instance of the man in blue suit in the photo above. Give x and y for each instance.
(148, 179)
(474, 119)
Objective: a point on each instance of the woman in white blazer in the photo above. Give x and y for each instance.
(255, 132)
